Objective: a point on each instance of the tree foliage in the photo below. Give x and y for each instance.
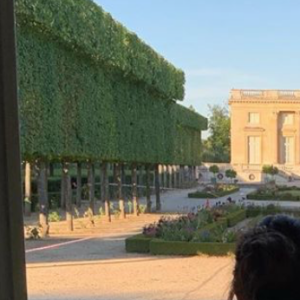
(230, 173)
(270, 170)
(214, 169)
(90, 90)
(216, 148)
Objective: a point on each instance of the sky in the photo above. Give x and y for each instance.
(219, 44)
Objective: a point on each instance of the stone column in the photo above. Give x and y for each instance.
(275, 137)
(297, 138)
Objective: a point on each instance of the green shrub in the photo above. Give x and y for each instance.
(54, 216)
(138, 244)
(160, 247)
(236, 218)
(213, 194)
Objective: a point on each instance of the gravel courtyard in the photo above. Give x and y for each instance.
(93, 264)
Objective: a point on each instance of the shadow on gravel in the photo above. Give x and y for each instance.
(79, 251)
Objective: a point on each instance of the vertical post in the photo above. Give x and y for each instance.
(62, 190)
(104, 191)
(148, 189)
(119, 191)
(42, 187)
(165, 174)
(157, 188)
(134, 190)
(91, 186)
(27, 204)
(68, 195)
(12, 254)
(79, 185)
(175, 173)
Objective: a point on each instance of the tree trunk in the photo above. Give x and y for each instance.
(141, 182)
(170, 172)
(27, 189)
(157, 188)
(119, 190)
(104, 191)
(43, 198)
(148, 189)
(66, 179)
(165, 174)
(134, 190)
(181, 176)
(79, 185)
(51, 169)
(175, 176)
(91, 186)
(62, 191)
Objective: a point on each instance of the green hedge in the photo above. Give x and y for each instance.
(212, 195)
(161, 247)
(268, 196)
(86, 29)
(236, 218)
(138, 244)
(83, 96)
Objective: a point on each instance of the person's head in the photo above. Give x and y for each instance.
(267, 263)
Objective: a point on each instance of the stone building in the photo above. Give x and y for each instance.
(265, 130)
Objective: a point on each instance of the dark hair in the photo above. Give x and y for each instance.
(267, 263)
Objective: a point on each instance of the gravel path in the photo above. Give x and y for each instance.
(93, 264)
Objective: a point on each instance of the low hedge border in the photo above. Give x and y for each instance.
(268, 197)
(161, 247)
(141, 244)
(138, 244)
(201, 195)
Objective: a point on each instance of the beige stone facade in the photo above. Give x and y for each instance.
(265, 129)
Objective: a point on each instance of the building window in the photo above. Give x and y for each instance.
(253, 118)
(254, 150)
(288, 149)
(287, 119)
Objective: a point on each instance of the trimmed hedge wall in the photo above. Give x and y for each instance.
(212, 196)
(90, 90)
(88, 30)
(138, 244)
(161, 247)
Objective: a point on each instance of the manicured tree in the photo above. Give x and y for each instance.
(270, 170)
(27, 188)
(230, 173)
(148, 189)
(66, 181)
(134, 190)
(214, 169)
(78, 185)
(157, 187)
(42, 187)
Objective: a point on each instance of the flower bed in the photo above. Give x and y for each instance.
(215, 191)
(207, 232)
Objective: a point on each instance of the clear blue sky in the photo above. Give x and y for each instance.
(219, 44)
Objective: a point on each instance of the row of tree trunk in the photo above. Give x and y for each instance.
(163, 177)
